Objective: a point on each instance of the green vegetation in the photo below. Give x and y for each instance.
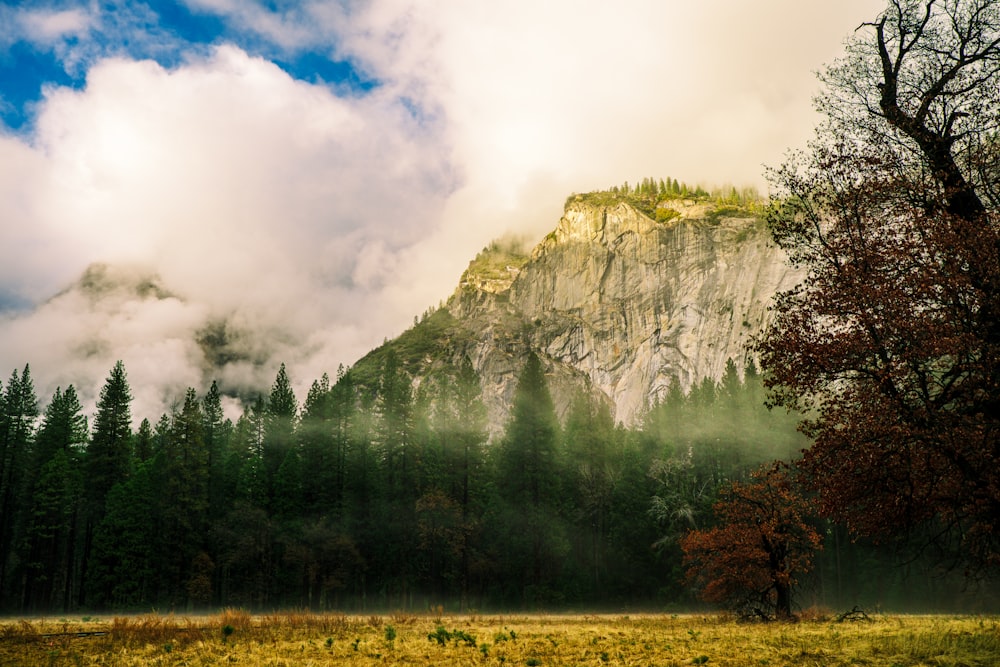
(381, 493)
(666, 214)
(653, 197)
(436, 331)
(495, 261)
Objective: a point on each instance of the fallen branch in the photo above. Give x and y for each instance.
(856, 614)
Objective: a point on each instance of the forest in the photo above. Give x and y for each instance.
(386, 496)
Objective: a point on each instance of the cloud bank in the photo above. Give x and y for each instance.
(303, 222)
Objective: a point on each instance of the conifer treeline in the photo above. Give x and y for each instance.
(363, 497)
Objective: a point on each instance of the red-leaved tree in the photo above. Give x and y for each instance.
(891, 345)
(752, 559)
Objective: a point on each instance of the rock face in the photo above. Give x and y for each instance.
(619, 304)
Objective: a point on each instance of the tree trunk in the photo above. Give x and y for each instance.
(783, 603)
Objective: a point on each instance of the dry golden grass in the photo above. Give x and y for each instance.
(302, 638)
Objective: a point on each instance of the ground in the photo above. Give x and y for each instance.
(298, 638)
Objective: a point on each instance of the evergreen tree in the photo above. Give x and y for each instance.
(316, 435)
(215, 434)
(110, 450)
(50, 534)
(279, 426)
(453, 476)
(185, 467)
(528, 479)
(108, 457)
(343, 408)
(54, 483)
(63, 426)
(592, 472)
(130, 550)
(18, 412)
(470, 434)
(248, 443)
(144, 442)
(288, 503)
(161, 434)
(528, 451)
(395, 407)
(399, 466)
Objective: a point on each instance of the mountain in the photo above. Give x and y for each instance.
(622, 299)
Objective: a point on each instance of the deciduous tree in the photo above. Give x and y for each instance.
(752, 560)
(892, 343)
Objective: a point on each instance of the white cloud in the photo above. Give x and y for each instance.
(290, 27)
(324, 223)
(47, 26)
(255, 198)
(543, 99)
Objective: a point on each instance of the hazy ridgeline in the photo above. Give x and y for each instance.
(385, 496)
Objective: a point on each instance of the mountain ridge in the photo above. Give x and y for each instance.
(616, 301)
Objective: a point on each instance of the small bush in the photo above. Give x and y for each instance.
(440, 635)
(664, 214)
(237, 619)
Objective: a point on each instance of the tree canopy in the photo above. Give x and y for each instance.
(764, 543)
(891, 345)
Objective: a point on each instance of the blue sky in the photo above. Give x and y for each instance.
(52, 43)
(316, 173)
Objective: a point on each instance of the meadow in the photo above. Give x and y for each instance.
(300, 638)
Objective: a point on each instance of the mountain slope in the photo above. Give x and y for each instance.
(613, 301)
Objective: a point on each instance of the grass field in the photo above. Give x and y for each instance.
(236, 637)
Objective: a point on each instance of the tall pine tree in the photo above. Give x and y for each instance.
(110, 451)
(55, 483)
(279, 427)
(529, 483)
(108, 456)
(18, 412)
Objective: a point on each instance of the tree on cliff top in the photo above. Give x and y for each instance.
(892, 342)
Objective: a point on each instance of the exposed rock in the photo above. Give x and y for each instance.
(617, 303)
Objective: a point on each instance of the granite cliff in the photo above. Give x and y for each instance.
(617, 300)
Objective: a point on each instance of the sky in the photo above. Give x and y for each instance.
(310, 176)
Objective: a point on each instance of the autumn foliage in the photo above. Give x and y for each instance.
(752, 560)
(891, 345)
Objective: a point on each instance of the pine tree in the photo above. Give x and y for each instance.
(453, 463)
(108, 457)
(54, 485)
(343, 408)
(248, 444)
(130, 551)
(144, 440)
(50, 535)
(215, 433)
(528, 451)
(288, 503)
(18, 412)
(110, 450)
(395, 407)
(279, 426)
(591, 474)
(528, 479)
(399, 466)
(63, 427)
(185, 513)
